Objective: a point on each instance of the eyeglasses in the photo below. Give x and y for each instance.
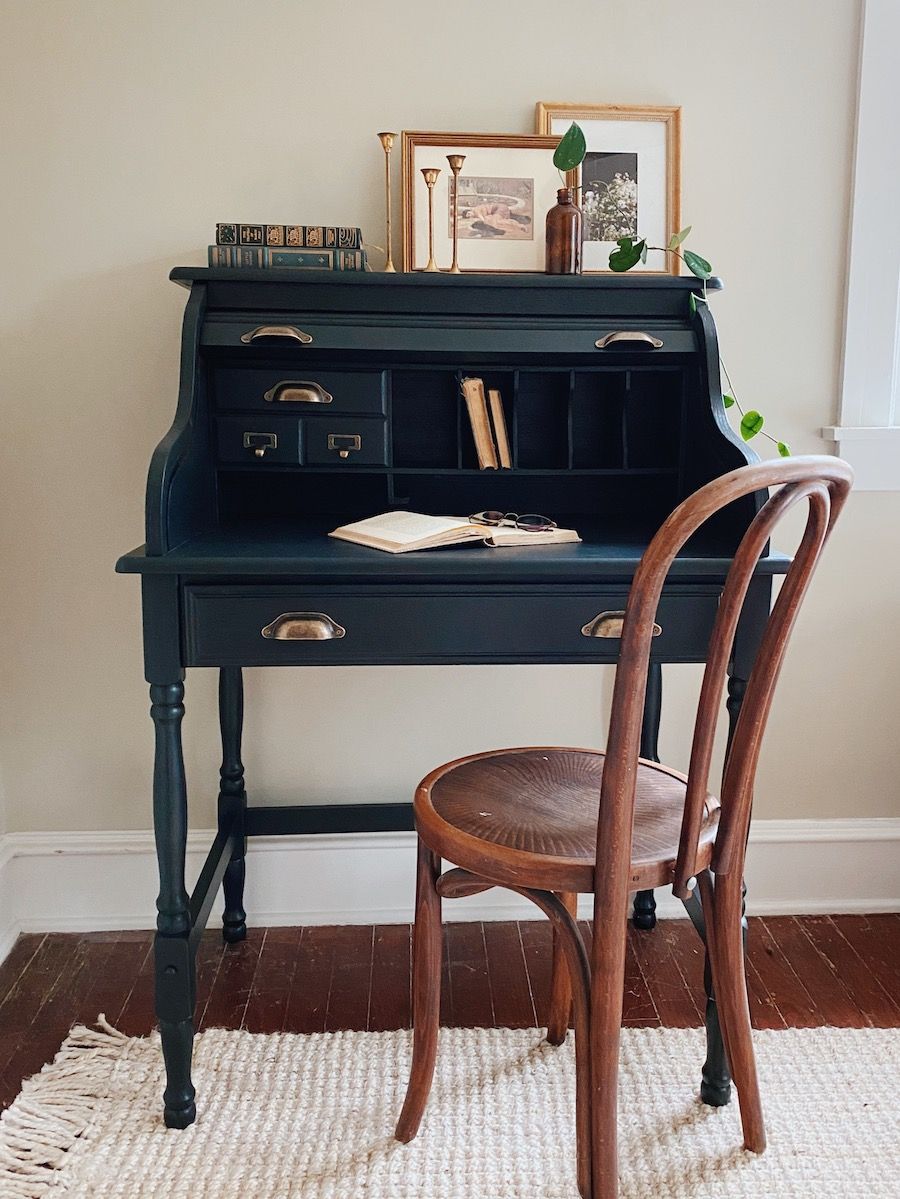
(529, 523)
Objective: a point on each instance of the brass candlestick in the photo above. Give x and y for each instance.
(430, 175)
(456, 161)
(387, 142)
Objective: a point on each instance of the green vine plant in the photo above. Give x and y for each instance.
(631, 251)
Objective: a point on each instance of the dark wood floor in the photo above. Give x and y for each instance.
(839, 970)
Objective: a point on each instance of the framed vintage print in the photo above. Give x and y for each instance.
(630, 177)
(506, 186)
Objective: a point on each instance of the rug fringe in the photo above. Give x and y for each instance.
(56, 1106)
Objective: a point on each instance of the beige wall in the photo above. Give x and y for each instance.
(131, 127)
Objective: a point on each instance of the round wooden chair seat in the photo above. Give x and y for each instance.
(528, 817)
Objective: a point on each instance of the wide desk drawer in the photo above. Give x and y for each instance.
(299, 390)
(272, 625)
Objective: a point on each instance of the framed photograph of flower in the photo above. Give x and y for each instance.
(507, 183)
(630, 179)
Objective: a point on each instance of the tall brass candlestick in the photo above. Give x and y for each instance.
(387, 142)
(431, 177)
(456, 161)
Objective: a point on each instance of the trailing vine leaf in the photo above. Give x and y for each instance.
(697, 266)
(571, 149)
(628, 254)
(677, 238)
(751, 424)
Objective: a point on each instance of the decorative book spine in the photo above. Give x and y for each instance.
(498, 419)
(473, 392)
(267, 257)
(298, 237)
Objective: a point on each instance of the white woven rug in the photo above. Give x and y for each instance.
(311, 1117)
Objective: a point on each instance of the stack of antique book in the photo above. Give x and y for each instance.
(301, 247)
(488, 423)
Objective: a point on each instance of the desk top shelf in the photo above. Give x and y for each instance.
(282, 370)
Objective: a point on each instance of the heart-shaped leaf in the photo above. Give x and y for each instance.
(571, 149)
(751, 424)
(728, 401)
(692, 303)
(677, 238)
(784, 450)
(628, 254)
(697, 266)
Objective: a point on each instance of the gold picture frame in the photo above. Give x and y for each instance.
(650, 203)
(509, 239)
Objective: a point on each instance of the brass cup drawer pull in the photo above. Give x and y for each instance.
(299, 391)
(303, 626)
(609, 624)
(343, 443)
(629, 340)
(260, 442)
(290, 331)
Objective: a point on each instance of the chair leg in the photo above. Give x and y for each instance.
(561, 984)
(569, 944)
(427, 938)
(722, 902)
(607, 986)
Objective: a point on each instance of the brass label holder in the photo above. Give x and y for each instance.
(260, 442)
(343, 443)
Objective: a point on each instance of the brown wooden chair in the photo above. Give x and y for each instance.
(550, 822)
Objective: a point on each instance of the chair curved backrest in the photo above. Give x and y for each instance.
(825, 483)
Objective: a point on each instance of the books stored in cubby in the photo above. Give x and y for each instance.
(476, 405)
(501, 437)
(404, 532)
(268, 257)
(301, 237)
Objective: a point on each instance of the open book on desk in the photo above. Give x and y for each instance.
(403, 532)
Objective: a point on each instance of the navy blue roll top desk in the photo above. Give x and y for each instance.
(308, 400)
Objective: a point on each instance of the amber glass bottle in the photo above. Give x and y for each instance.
(563, 253)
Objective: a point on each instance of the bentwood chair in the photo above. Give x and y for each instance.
(550, 823)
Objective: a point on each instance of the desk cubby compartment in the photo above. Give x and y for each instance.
(425, 418)
(295, 387)
(653, 418)
(345, 442)
(260, 440)
(598, 419)
(541, 420)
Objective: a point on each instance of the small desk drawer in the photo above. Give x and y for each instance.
(260, 440)
(346, 441)
(299, 389)
(273, 625)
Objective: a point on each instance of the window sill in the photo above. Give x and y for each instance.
(873, 452)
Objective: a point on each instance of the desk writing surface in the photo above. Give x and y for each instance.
(303, 549)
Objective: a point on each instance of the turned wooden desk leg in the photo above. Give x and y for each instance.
(174, 959)
(233, 800)
(644, 914)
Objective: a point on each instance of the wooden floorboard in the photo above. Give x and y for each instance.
(802, 973)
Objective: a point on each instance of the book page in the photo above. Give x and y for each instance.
(511, 536)
(405, 527)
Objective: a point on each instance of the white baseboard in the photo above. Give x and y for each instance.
(76, 882)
